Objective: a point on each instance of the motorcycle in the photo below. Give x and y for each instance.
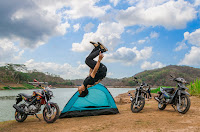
(138, 102)
(31, 105)
(178, 97)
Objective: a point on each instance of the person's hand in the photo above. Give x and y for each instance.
(100, 56)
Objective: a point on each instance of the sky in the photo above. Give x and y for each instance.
(53, 35)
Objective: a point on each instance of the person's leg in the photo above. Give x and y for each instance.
(150, 94)
(89, 60)
(95, 49)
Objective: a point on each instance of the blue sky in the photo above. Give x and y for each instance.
(53, 36)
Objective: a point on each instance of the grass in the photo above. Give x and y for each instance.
(28, 86)
(158, 89)
(25, 86)
(194, 88)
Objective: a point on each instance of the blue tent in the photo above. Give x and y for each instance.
(99, 101)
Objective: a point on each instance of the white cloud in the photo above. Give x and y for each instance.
(154, 35)
(107, 33)
(197, 2)
(141, 41)
(65, 70)
(169, 14)
(85, 8)
(148, 65)
(76, 27)
(33, 23)
(133, 32)
(181, 46)
(8, 51)
(193, 38)
(88, 27)
(192, 58)
(30, 23)
(115, 2)
(109, 74)
(129, 56)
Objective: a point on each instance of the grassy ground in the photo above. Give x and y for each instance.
(17, 86)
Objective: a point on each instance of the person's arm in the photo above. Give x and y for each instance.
(97, 65)
(90, 71)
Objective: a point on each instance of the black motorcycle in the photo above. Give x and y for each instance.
(138, 102)
(178, 97)
(32, 105)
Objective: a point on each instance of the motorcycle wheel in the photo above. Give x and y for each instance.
(53, 115)
(141, 103)
(19, 116)
(183, 107)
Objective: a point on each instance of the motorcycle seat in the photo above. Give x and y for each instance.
(169, 90)
(26, 95)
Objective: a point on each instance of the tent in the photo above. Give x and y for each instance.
(99, 101)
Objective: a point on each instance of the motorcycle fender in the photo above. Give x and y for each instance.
(184, 92)
(48, 105)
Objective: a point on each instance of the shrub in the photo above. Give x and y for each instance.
(194, 87)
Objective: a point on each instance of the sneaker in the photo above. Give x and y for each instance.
(102, 47)
(95, 44)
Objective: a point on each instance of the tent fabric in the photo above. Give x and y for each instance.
(99, 101)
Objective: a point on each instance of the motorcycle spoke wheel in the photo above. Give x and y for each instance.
(19, 116)
(138, 107)
(184, 105)
(52, 115)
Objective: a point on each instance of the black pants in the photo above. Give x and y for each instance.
(101, 73)
(149, 95)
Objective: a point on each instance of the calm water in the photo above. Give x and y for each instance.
(62, 95)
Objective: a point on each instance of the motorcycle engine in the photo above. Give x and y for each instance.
(34, 108)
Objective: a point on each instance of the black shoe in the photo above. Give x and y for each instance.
(102, 47)
(95, 44)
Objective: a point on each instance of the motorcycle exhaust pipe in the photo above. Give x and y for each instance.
(18, 109)
(156, 98)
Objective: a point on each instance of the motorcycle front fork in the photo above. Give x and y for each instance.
(136, 100)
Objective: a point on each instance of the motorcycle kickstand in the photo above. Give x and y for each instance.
(173, 107)
(37, 117)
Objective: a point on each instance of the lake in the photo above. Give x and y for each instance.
(62, 96)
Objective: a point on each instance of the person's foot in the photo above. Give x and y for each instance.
(102, 47)
(95, 44)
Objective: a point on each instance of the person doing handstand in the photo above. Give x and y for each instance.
(97, 69)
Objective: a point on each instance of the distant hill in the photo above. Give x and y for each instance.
(17, 73)
(156, 77)
(161, 76)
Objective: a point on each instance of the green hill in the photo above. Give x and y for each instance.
(18, 74)
(161, 76)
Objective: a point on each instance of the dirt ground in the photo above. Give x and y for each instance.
(149, 119)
